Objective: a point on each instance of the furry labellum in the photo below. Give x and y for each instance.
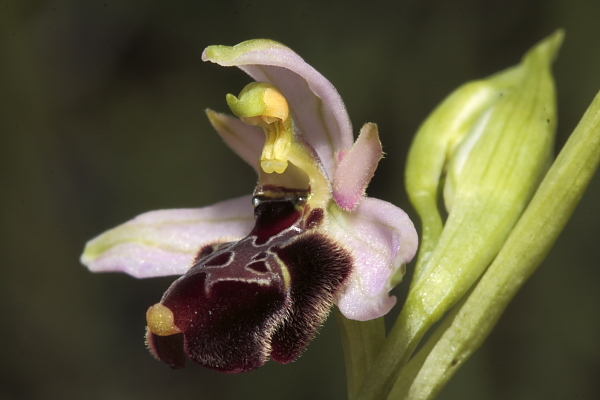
(265, 295)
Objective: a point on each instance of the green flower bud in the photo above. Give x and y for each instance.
(486, 147)
(493, 139)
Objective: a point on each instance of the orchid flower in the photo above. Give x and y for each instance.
(260, 273)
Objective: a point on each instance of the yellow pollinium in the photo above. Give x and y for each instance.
(261, 104)
(160, 320)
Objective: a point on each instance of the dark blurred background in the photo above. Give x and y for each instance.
(101, 119)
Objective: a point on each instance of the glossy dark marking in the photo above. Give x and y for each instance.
(272, 217)
(269, 192)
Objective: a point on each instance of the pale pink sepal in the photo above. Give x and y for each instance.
(317, 109)
(382, 239)
(165, 242)
(246, 140)
(356, 167)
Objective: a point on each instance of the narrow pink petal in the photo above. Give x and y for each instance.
(356, 167)
(317, 108)
(382, 239)
(246, 140)
(164, 242)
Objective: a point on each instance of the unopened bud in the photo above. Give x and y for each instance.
(490, 142)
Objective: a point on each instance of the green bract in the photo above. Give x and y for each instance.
(493, 140)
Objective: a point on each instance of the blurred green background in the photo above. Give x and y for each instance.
(101, 119)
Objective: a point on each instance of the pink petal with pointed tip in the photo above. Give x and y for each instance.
(356, 168)
(382, 238)
(246, 140)
(316, 106)
(164, 242)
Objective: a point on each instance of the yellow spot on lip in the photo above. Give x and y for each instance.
(161, 321)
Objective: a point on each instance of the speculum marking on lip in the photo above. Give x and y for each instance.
(265, 295)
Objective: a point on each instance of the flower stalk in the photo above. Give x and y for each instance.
(361, 343)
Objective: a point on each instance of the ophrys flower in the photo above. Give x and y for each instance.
(261, 272)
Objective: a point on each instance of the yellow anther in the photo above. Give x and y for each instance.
(277, 106)
(261, 104)
(160, 320)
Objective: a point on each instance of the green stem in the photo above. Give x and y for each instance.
(412, 368)
(361, 343)
(399, 346)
